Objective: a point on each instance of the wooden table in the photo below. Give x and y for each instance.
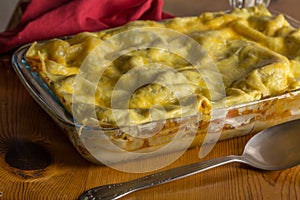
(27, 134)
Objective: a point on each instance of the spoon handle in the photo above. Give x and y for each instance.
(118, 190)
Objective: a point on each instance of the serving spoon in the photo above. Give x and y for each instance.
(275, 148)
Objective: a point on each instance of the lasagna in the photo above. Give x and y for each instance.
(152, 70)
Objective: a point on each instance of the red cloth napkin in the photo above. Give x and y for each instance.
(44, 19)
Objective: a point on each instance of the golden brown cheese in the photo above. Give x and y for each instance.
(255, 53)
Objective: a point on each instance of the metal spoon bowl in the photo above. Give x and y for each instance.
(275, 148)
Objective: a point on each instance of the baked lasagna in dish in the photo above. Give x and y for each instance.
(242, 56)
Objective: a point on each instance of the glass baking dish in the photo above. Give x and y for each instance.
(115, 145)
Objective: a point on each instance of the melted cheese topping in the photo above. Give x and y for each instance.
(255, 53)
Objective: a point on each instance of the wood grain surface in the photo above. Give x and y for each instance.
(37, 161)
